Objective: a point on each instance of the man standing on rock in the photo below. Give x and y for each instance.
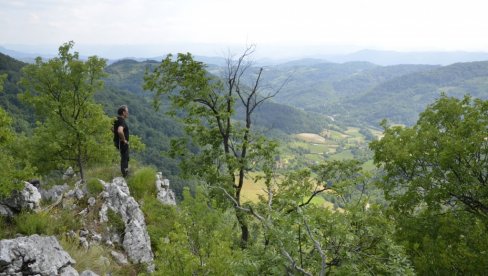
(121, 138)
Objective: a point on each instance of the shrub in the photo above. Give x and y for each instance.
(159, 219)
(116, 222)
(106, 173)
(63, 220)
(143, 183)
(96, 258)
(32, 223)
(94, 186)
(7, 230)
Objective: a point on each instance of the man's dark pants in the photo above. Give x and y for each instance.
(124, 159)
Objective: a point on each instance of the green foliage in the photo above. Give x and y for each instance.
(435, 176)
(94, 186)
(318, 240)
(73, 129)
(227, 149)
(115, 221)
(96, 258)
(7, 228)
(159, 219)
(105, 173)
(142, 183)
(46, 223)
(14, 168)
(3, 77)
(439, 160)
(33, 223)
(451, 243)
(201, 241)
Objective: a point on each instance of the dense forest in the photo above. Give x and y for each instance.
(337, 189)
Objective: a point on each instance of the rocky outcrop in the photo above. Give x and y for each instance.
(28, 198)
(136, 241)
(54, 193)
(165, 194)
(34, 255)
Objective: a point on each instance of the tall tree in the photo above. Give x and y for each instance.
(436, 177)
(442, 161)
(73, 129)
(228, 148)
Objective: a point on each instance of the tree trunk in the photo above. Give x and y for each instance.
(241, 218)
(80, 162)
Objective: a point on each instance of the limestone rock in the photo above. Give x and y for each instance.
(68, 271)
(55, 193)
(27, 199)
(136, 243)
(88, 273)
(165, 194)
(34, 255)
(119, 258)
(92, 201)
(70, 173)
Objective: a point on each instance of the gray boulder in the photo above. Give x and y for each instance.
(88, 273)
(69, 173)
(55, 193)
(119, 258)
(136, 243)
(165, 194)
(34, 255)
(28, 198)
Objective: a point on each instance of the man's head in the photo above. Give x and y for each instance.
(123, 111)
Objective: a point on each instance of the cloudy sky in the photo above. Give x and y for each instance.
(277, 27)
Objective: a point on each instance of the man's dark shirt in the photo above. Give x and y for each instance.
(120, 122)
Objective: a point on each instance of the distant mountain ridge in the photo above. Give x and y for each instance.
(379, 57)
(392, 57)
(358, 92)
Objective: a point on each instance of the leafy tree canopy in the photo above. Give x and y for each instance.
(442, 160)
(73, 129)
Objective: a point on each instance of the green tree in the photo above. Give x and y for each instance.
(441, 161)
(201, 241)
(14, 171)
(228, 149)
(3, 77)
(314, 240)
(435, 176)
(74, 129)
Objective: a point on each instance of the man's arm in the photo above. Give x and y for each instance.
(120, 131)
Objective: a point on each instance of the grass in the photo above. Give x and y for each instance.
(96, 258)
(94, 186)
(343, 155)
(142, 183)
(311, 138)
(251, 191)
(28, 223)
(105, 173)
(369, 165)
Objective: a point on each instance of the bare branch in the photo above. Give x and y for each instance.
(318, 247)
(316, 192)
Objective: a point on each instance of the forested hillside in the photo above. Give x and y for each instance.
(402, 98)
(23, 114)
(359, 93)
(123, 85)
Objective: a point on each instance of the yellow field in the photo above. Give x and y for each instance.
(251, 190)
(311, 138)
